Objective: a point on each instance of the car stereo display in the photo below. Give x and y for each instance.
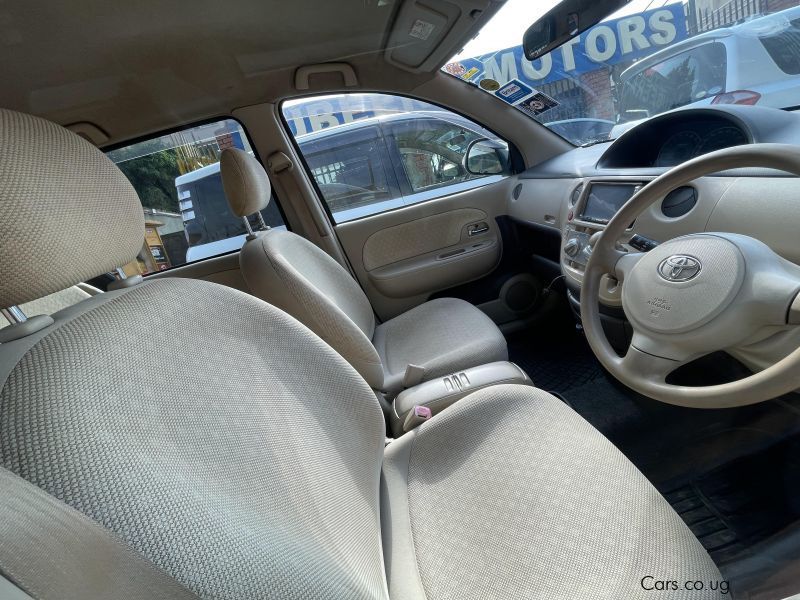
(605, 200)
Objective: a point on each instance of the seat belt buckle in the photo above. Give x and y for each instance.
(416, 417)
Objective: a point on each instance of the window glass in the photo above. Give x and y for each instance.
(369, 153)
(783, 47)
(645, 58)
(351, 171)
(179, 184)
(432, 151)
(682, 79)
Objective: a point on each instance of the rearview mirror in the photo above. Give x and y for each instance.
(486, 157)
(565, 21)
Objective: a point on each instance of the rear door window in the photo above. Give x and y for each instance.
(178, 181)
(783, 47)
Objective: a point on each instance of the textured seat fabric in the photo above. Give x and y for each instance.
(240, 456)
(41, 164)
(293, 274)
(211, 432)
(290, 272)
(42, 535)
(510, 494)
(442, 336)
(246, 184)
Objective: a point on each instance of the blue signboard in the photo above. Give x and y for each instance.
(305, 116)
(610, 42)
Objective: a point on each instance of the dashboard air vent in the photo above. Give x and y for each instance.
(679, 202)
(576, 194)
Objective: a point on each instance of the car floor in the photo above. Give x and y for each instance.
(733, 475)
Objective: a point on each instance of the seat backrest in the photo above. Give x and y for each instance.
(207, 430)
(293, 274)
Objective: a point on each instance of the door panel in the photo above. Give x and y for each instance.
(421, 236)
(402, 257)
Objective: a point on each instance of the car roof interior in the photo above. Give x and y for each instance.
(131, 69)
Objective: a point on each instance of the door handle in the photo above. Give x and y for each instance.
(478, 229)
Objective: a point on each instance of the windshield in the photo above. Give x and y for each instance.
(647, 58)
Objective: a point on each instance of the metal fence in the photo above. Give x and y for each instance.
(699, 19)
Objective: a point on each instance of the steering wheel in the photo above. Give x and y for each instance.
(696, 294)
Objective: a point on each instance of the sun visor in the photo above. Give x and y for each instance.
(426, 33)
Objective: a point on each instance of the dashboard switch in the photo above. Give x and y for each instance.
(572, 247)
(642, 244)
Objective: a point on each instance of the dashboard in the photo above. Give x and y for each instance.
(575, 194)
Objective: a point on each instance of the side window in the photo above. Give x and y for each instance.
(353, 171)
(178, 181)
(783, 46)
(432, 152)
(369, 153)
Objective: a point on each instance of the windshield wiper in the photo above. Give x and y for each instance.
(596, 141)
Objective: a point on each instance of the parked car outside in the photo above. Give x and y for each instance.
(362, 168)
(754, 63)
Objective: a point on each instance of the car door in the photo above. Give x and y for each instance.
(440, 232)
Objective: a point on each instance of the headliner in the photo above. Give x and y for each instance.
(145, 65)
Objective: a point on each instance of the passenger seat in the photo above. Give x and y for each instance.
(433, 339)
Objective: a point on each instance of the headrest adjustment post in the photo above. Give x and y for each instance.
(250, 234)
(121, 273)
(262, 222)
(14, 314)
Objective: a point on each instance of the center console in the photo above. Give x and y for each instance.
(592, 208)
(592, 205)
(438, 394)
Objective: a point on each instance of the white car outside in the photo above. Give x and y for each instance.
(760, 66)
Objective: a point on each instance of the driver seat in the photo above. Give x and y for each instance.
(176, 438)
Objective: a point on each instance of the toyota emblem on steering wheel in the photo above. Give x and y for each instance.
(679, 267)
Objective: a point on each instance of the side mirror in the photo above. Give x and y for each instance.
(486, 157)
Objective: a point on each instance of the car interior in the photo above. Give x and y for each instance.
(296, 303)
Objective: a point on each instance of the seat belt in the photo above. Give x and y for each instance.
(281, 166)
(53, 552)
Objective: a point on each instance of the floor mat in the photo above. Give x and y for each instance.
(556, 357)
(744, 501)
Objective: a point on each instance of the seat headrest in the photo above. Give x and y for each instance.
(245, 181)
(68, 212)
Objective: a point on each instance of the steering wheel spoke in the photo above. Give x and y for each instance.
(625, 263)
(638, 364)
(651, 361)
(775, 285)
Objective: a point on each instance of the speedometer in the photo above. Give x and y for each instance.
(678, 148)
(723, 137)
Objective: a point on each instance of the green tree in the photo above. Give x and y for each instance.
(153, 177)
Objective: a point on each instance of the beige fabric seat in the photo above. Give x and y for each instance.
(288, 271)
(183, 418)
